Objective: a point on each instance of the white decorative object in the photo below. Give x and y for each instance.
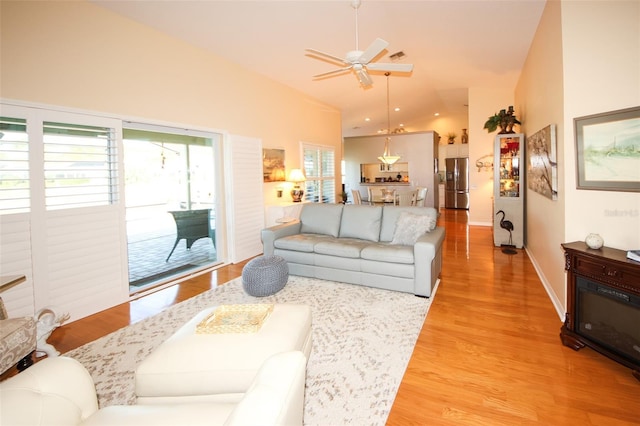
(46, 322)
(594, 241)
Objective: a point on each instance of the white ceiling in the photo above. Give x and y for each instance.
(453, 44)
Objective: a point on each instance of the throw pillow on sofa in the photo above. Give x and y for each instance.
(410, 227)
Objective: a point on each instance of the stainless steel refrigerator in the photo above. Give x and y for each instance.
(456, 190)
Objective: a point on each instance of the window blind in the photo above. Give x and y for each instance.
(14, 166)
(79, 165)
(319, 168)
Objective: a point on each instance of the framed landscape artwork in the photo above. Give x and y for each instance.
(608, 150)
(273, 165)
(542, 172)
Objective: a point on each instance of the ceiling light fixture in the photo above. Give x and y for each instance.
(386, 157)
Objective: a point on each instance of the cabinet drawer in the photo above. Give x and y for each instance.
(618, 274)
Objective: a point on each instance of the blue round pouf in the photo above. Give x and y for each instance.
(265, 275)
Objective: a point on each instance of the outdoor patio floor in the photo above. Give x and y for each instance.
(148, 253)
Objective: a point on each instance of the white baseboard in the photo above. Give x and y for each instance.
(557, 304)
(481, 223)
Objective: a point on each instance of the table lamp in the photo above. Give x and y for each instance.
(296, 176)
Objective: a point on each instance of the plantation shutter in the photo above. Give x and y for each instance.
(319, 169)
(69, 240)
(244, 196)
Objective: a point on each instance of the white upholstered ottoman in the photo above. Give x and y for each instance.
(219, 367)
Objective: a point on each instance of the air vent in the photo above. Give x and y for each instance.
(397, 56)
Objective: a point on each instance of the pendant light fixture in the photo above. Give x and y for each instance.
(386, 157)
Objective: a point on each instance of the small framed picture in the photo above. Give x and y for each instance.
(273, 165)
(608, 150)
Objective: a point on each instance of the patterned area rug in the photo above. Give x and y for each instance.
(362, 341)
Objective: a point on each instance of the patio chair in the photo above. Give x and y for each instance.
(192, 225)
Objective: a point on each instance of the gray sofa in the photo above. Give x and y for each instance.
(377, 246)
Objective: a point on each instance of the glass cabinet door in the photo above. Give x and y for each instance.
(509, 164)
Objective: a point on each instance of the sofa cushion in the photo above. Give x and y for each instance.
(390, 215)
(362, 222)
(321, 218)
(342, 247)
(410, 227)
(300, 242)
(385, 252)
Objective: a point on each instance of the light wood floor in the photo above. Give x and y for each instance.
(488, 354)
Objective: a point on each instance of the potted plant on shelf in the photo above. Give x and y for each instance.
(451, 137)
(505, 119)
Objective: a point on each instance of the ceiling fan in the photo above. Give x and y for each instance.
(359, 61)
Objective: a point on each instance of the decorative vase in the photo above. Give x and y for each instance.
(594, 241)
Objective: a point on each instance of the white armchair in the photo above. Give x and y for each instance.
(60, 391)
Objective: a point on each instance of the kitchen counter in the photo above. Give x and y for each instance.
(385, 184)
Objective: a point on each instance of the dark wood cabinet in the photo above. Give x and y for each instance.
(603, 303)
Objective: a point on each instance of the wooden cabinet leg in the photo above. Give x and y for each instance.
(570, 341)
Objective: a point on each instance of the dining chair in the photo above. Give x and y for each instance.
(389, 196)
(422, 196)
(370, 195)
(357, 199)
(407, 198)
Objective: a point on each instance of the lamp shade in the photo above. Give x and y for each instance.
(386, 157)
(296, 175)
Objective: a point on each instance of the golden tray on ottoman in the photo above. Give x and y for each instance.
(245, 318)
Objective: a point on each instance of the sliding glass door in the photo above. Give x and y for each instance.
(170, 185)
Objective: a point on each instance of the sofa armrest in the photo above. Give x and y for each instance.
(56, 391)
(271, 234)
(276, 395)
(427, 252)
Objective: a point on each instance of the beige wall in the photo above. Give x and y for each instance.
(540, 97)
(602, 73)
(445, 124)
(579, 64)
(81, 56)
(483, 103)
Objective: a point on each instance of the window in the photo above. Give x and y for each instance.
(319, 169)
(79, 165)
(14, 166)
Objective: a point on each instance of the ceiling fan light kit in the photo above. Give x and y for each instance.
(359, 61)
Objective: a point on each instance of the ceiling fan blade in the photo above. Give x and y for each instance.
(329, 73)
(374, 66)
(314, 52)
(364, 78)
(373, 50)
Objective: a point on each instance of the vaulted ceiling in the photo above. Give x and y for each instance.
(453, 45)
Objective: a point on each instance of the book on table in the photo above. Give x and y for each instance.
(634, 255)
